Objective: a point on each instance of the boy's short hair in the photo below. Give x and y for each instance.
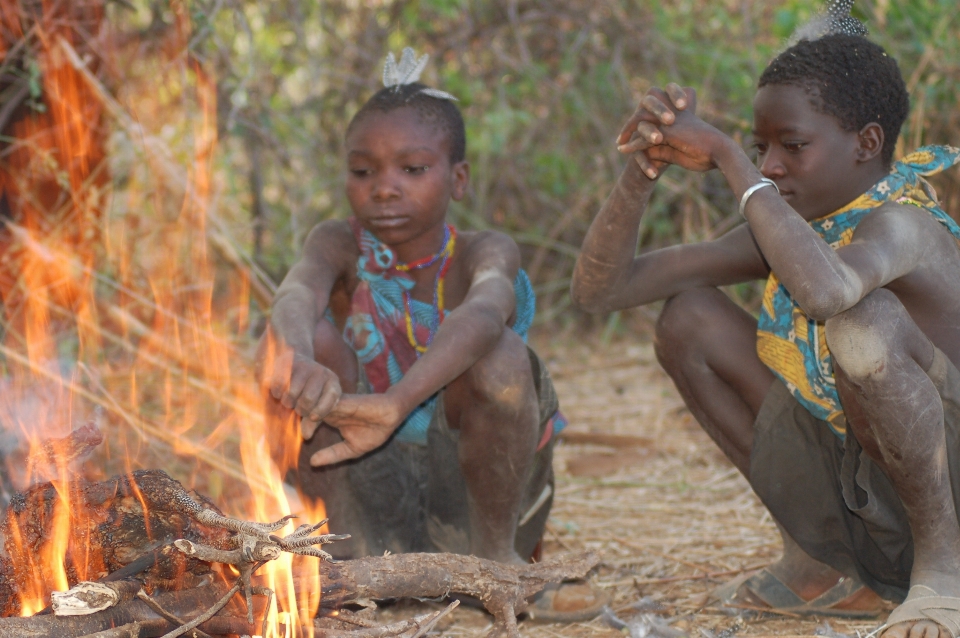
(440, 112)
(850, 78)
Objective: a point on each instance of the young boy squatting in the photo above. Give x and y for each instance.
(408, 338)
(841, 406)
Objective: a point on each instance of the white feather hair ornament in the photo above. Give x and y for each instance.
(835, 20)
(408, 71)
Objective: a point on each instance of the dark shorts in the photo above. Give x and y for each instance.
(832, 498)
(405, 497)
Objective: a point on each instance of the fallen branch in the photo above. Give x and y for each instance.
(503, 589)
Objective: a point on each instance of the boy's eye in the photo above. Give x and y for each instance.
(360, 172)
(760, 148)
(793, 147)
(416, 170)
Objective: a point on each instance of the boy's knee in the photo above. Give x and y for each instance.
(504, 375)
(682, 321)
(863, 338)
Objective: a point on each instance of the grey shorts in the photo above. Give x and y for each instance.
(405, 497)
(832, 498)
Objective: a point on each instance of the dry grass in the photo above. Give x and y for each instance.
(664, 521)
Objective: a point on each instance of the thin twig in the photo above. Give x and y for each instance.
(163, 613)
(433, 621)
(678, 579)
(765, 610)
(205, 616)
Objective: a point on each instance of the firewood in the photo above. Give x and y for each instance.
(108, 531)
(127, 631)
(109, 528)
(503, 589)
(183, 604)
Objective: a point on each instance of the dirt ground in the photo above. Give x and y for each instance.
(670, 515)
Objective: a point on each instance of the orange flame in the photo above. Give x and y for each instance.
(125, 292)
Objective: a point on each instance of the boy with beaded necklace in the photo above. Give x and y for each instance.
(841, 405)
(407, 338)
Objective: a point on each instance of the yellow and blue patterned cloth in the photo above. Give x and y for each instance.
(791, 344)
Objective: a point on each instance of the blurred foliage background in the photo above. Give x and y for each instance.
(544, 86)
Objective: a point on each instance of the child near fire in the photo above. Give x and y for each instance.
(841, 404)
(428, 423)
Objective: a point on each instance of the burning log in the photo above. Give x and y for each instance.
(130, 519)
(182, 604)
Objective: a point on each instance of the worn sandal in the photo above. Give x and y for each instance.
(762, 589)
(923, 603)
(570, 602)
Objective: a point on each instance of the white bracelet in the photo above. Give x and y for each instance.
(753, 189)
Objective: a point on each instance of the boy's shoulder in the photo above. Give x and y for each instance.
(895, 220)
(334, 228)
(488, 238)
(333, 240)
(479, 245)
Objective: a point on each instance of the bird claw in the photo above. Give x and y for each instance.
(312, 551)
(249, 545)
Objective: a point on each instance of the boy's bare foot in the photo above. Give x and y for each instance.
(931, 610)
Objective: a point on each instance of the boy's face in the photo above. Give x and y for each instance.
(815, 163)
(399, 176)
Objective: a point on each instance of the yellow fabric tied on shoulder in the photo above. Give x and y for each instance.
(794, 346)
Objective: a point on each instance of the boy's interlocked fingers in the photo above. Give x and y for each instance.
(659, 107)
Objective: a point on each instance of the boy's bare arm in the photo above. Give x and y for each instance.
(609, 275)
(294, 377)
(469, 332)
(823, 281)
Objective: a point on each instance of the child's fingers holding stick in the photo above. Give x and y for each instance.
(277, 374)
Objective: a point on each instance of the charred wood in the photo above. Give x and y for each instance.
(121, 527)
(183, 604)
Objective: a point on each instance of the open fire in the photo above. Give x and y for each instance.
(126, 301)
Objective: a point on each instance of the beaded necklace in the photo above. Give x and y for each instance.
(444, 255)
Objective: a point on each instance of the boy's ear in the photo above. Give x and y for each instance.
(461, 179)
(871, 139)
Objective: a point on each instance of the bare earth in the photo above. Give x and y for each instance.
(671, 516)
